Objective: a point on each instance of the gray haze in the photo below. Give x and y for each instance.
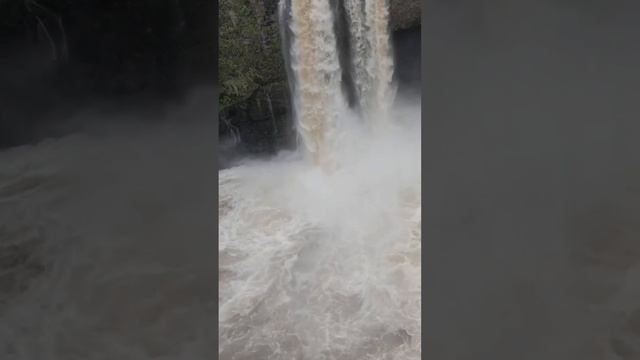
(107, 238)
(531, 180)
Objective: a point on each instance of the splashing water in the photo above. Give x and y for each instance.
(317, 264)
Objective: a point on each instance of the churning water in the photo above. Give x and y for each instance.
(319, 255)
(317, 265)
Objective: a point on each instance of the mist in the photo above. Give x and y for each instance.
(530, 178)
(107, 237)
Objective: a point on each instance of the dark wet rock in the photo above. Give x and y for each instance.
(262, 123)
(405, 14)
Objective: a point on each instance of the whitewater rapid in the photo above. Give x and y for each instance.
(317, 265)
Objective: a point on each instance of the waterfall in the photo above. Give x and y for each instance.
(311, 53)
(316, 69)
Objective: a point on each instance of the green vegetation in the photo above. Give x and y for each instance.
(249, 50)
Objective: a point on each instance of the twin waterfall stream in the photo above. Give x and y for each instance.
(314, 57)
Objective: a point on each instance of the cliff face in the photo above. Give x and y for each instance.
(261, 123)
(250, 55)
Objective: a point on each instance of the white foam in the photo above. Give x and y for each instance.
(320, 264)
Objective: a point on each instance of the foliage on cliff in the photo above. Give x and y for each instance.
(249, 50)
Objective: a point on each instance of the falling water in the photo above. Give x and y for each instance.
(319, 101)
(317, 74)
(372, 61)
